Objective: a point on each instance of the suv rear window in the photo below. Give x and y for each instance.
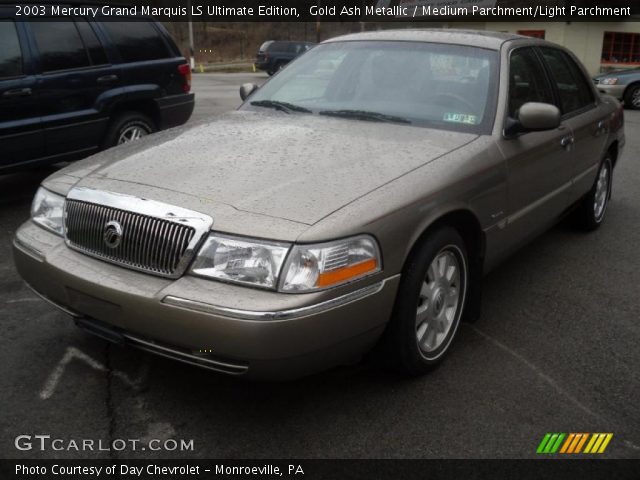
(94, 47)
(60, 46)
(137, 41)
(10, 53)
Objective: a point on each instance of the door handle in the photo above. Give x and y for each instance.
(107, 79)
(18, 92)
(567, 142)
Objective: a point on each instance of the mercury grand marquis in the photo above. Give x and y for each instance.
(351, 204)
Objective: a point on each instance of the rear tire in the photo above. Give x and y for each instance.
(127, 127)
(632, 97)
(593, 208)
(429, 304)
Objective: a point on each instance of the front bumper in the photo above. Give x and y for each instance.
(616, 91)
(232, 329)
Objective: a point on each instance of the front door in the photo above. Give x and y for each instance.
(539, 165)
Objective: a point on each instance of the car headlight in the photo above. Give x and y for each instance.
(239, 260)
(307, 268)
(609, 81)
(47, 210)
(326, 265)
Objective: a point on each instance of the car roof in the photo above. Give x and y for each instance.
(476, 38)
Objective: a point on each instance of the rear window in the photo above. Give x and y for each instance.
(137, 41)
(574, 89)
(60, 46)
(10, 53)
(94, 47)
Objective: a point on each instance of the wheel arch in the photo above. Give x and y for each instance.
(147, 107)
(614, 151)
(466, 223)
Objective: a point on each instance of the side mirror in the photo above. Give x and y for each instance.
(534, 117)
(247, 89)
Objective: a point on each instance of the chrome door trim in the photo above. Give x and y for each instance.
(532, 206)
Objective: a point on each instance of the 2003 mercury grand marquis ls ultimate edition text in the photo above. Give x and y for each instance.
(355, 200)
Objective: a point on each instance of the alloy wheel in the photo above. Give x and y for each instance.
(440, 300)
(131, 133)
(635, 98)
(601, 196)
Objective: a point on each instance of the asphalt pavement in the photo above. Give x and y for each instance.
(556, 350)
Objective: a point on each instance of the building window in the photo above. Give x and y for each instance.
(620, 47)
(532, 33)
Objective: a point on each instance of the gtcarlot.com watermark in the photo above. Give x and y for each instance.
(47, 443)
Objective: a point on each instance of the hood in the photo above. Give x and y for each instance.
(294, 167)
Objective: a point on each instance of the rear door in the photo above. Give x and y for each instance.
(73, 86)
(539, 163)
(148, 64)
(21, 135)
(581, 114)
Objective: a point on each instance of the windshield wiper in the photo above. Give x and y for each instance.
(365, 115)
(282, 106)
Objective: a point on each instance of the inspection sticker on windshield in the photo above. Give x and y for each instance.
(460, 118)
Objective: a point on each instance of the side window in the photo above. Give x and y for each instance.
(527, 82)
(60, 46)
(277, 47)
(574, 92)
(10, 53)
(94, 47)
(137, 41)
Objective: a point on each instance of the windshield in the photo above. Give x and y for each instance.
(423, 84)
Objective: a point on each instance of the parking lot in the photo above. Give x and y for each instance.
(556, 350)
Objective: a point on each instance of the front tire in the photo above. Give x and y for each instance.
(430, 303)
(593, 208)
(632, 97)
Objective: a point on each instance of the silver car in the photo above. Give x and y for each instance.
(352, 203)
(621, 84)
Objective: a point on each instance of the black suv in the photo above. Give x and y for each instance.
(273, 55)
(71, 88)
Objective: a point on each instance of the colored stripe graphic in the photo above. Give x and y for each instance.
(598, 443)
(543, 443)
(573, 443)
(567, 443)
(550, 443)
(581, 443)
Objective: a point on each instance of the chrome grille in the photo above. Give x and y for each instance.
(160, 240)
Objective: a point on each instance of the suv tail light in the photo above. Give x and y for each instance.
(185, 71)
